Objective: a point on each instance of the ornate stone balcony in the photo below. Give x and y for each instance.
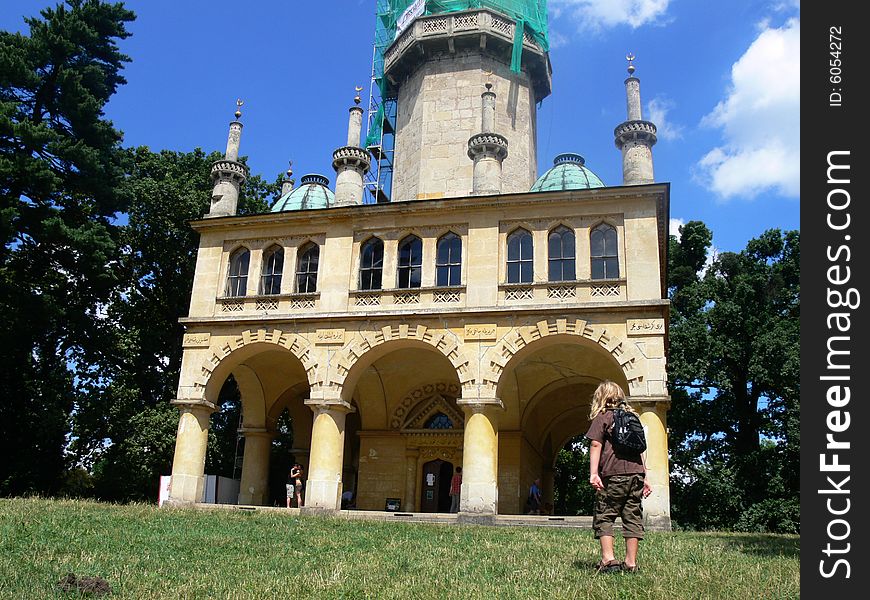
(351, 156)
(635, 130)
(229, 169)
(488, 144)
(453, 32)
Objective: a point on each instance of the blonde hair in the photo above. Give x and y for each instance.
(607, 395)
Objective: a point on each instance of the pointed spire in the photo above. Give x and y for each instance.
(635, 137)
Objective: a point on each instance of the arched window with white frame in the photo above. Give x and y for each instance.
(410, 269)
(273, 267)
(604, 252)
(371, 264)
(520, 255)
(307, 263)
(561, 255)
(237, 274)
(448, 260)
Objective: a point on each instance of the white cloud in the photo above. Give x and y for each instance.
(598, 14)
(657, 111)
(759, 120)
(674, 227)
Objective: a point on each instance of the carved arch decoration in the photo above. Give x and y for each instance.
(626, 355)
(444, 342)
(422, 402)
(296, 344)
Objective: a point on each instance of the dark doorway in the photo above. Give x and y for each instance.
(436, 486)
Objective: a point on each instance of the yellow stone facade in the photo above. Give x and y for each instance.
(362, 372)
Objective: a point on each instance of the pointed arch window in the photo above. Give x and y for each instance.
(519, 257)
(273, 267)
(561, 261)
(604, 252)
(410, 262)
(371, 264)
(237, 274)
(448, 260)
(306, 268)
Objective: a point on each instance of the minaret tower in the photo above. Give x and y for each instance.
(434, 68)
(351, 162)
(487, 149)
(288, 182)
(635, 137)
(228, 174)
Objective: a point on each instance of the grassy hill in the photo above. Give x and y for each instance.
(145, 552)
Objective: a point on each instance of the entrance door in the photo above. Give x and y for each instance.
(436, 486)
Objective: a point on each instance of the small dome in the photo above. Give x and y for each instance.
(312, 193)
(567, 173)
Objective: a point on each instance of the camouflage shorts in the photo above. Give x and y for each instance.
(621, 497)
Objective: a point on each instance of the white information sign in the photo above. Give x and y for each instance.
(412, 12)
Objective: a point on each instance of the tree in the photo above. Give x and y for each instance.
(735, 363)
(134, 378)
(61, 169)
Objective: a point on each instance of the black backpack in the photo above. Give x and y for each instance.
(627, 436)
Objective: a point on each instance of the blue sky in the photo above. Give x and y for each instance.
(721, 81)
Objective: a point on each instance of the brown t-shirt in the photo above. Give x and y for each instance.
(610, 463)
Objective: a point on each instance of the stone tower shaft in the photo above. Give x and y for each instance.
(435, 69)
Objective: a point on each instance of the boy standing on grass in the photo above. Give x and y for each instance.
(619, 480)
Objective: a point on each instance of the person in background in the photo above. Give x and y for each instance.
(534, 500)
(455, 490)
(297, 474)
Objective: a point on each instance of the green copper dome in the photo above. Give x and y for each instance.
(312, 193)
(567, 173)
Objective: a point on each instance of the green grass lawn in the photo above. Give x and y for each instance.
(145, 552)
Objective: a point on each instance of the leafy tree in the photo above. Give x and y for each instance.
(136, 375)
(61, 169)
(571, 490)
(735, 363)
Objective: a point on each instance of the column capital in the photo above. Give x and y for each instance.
(651, 402)
(323, 404)
(480, 404)
(193, 404)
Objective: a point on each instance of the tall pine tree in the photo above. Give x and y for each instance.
(61, 169)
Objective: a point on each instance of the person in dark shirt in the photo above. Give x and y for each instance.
(619, 480)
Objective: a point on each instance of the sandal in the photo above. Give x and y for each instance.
(608, 567)
(627, 569)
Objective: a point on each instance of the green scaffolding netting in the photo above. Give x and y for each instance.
(529, 15)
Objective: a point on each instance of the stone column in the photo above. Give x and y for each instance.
(323, 488)
(411, 457)
(191, 441)
(487, 149)
(254, 487)
(548, 483)
(656, 508)
(480, 456)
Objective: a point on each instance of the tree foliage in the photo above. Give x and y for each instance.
(136, 375)
(61, 169)
(734, 362)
